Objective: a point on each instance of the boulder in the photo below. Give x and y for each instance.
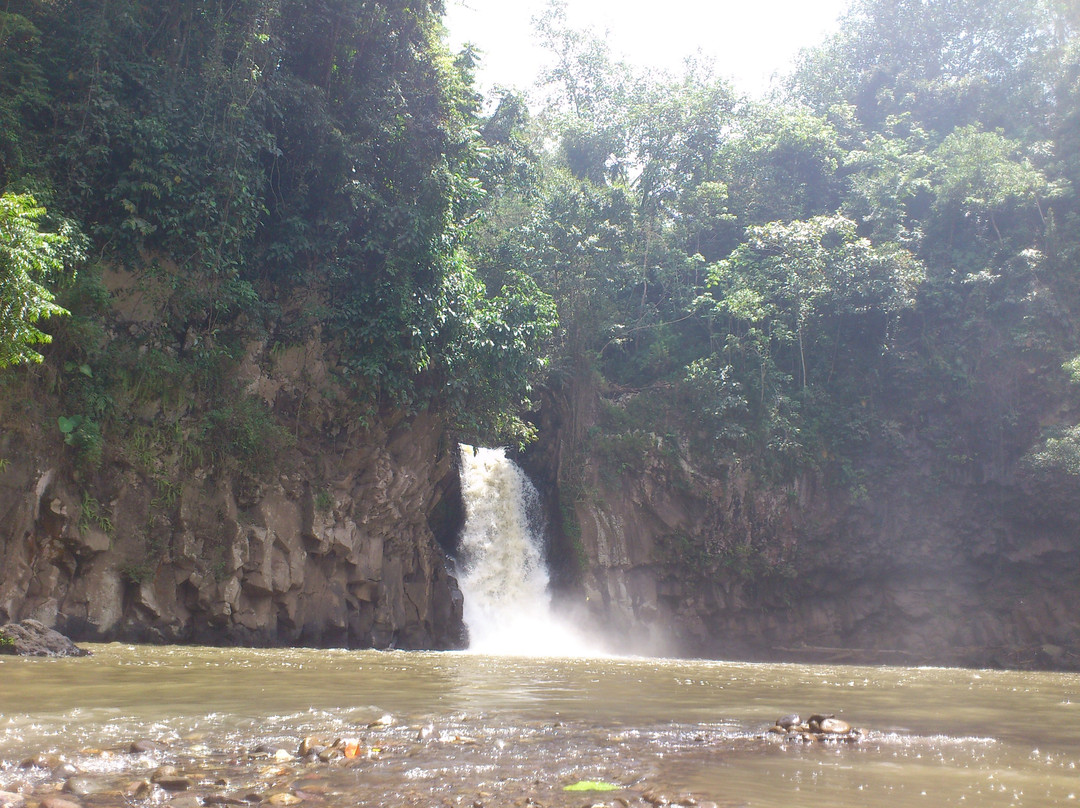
(33, 638)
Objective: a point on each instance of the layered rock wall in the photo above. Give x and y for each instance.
(234, 561)
(928, 562)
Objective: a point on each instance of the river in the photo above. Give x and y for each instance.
(469, 729)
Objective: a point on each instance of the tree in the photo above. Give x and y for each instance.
(948, 62)
(789, 278)
(30, 258)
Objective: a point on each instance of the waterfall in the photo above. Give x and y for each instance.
(503, 576)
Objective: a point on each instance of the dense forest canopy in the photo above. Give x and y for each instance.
(889, 240)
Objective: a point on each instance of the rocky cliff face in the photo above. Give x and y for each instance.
(236, 560)
(931, 561)
(331, 545)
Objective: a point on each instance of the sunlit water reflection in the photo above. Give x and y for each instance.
(507, 729)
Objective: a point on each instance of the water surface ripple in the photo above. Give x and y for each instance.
(473, 730)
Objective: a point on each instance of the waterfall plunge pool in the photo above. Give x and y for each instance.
(471, 729)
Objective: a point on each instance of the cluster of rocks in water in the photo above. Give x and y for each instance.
(369, 766)
(815, 728)
(311, 772)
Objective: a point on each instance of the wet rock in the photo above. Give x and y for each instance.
(64, 771)
(82, 786)
(33, 638)
(186, 801)
(349, 747)
(382, 722)
(144, 746)
(311, 746)
(164, 771)
(224, 799)
(284, 798)
(9, 799)
(834, 726)
(168, 778)
(41, 761)
(178, 783)
(270, 749)
(56, 801)
(138, 790)
(789, 721)
(816, 728)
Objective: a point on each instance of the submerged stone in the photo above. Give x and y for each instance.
(83, 786)
(56, 801)
(143, 746)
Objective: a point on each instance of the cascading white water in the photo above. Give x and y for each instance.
(503, 576)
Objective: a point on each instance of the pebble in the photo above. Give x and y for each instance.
(186, 801)
(834, 726)
(164, 771)
(63, 771)
(789, 721)
(174, 783)
(9, 799)
(349, 747)
(284, 798)
(170, 779)
(267, 749)
(311, 746)
(139, 789)
(83, 786)
(143, 746)
(40, 761)
(382, 722)
(54, 801)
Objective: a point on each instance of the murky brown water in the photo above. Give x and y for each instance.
(504, 731)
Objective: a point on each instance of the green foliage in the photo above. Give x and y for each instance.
(950, 62)
(1072, 368)
(243, 433)
(92, 514)
(1059, 451)
(323, 501)
(30, 257)
(771, 284)
(22, 91)
(138, 572)
(83, 434)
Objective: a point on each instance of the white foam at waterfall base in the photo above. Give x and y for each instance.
(503, 576)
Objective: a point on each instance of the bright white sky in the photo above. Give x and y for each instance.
(749, 40)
